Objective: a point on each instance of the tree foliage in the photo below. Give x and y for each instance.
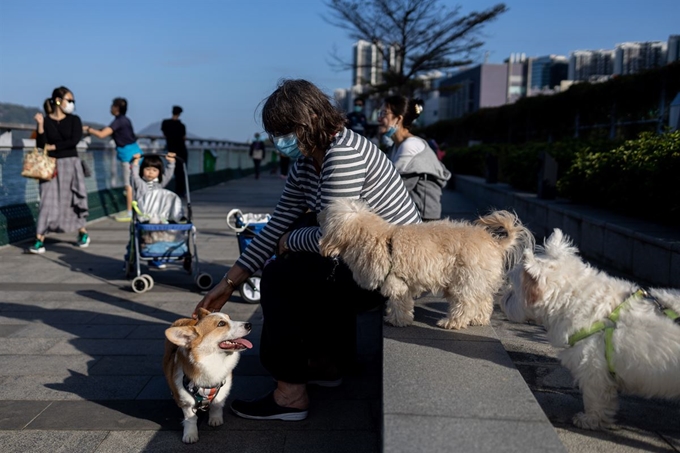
(413, 36)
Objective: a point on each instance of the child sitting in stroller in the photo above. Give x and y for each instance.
(153, 201)
(151, 175)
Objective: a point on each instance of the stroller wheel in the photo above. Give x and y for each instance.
(140, 284)
(250, 290)
(204, 281)
(149, 280)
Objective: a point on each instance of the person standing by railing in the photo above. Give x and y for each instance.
(63, 199)
(257, 153)
(126, 146)
(175, 133)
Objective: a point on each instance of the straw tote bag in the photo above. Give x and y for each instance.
(39, 165)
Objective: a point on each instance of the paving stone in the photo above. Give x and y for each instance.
(415, 433)
(108, 415)
(211, 440)
(332, 442)
(70, 331)
(21, 346)
(47, 316)
(17, 414)
(64, 366)
(108, 347)
(77, 386)
(7, 330)
(620, 441)
(50, 441)
(130, 365)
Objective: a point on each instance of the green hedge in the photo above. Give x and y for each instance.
(637, 178)
(633, 177)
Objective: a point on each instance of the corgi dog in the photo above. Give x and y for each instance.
(200, 355)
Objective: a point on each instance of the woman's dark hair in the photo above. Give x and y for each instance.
(410, 109)
(301, 107)
(58, 92)
(122, 105)
(155, 162)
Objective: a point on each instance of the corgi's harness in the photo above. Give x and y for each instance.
(609, 324)
(202, 395)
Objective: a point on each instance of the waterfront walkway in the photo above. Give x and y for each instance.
(81, 356)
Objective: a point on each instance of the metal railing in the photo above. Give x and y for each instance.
(205, 155)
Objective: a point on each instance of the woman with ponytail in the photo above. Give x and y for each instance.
(423, 174)
(63, 199)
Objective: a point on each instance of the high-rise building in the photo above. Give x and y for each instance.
(484, 85)
(634, 57)
(673, 49)
(517, 71)
(591, 65)
(368, 64)
(546, 73)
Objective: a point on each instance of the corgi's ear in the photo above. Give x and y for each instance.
(202, 313)
(181, 336)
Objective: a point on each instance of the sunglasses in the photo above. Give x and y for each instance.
(72, 101)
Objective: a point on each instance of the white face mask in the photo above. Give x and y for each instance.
(67, 107)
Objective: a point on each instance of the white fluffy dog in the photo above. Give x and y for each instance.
(466, 261)
(555, 288)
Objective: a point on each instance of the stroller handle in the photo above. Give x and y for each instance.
(181, 161)
(237, 214)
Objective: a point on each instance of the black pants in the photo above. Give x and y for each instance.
(180, 181)
(284, 162)
(309, 304)
(256, 164)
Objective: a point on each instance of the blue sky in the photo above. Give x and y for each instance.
(219, 59)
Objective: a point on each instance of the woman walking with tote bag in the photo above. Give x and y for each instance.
(63, 199)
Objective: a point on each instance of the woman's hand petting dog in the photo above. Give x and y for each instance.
(216, 297)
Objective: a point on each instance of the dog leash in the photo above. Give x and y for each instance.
(609, 324)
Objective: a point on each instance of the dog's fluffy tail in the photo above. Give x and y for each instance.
(508, 230)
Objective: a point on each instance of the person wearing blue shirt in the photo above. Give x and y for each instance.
(126, 146)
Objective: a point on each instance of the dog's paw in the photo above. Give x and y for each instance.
(451, 324)
(398, 318)
(590, 421)
(190, 436)
(216, 420)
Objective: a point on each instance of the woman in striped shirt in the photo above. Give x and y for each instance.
(309, 301)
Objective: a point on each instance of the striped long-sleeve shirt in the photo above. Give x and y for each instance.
(353, 167)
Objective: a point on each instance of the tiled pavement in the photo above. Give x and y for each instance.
(81, 353)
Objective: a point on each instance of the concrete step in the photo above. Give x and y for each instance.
(456, 391)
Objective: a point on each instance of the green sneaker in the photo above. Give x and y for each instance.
(38, 247)
(124, 217)
(83, 239)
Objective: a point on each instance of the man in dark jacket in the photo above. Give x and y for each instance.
(175, 139)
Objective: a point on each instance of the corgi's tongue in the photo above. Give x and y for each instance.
(238, 343)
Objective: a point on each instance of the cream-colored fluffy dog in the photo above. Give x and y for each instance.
(466, 261)
(555, 288)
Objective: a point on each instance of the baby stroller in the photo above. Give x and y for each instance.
(159, 231)
(247, 226)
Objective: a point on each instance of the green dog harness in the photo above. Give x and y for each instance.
(609, 324)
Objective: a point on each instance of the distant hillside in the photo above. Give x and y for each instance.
(20, 114)
(13, 113)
